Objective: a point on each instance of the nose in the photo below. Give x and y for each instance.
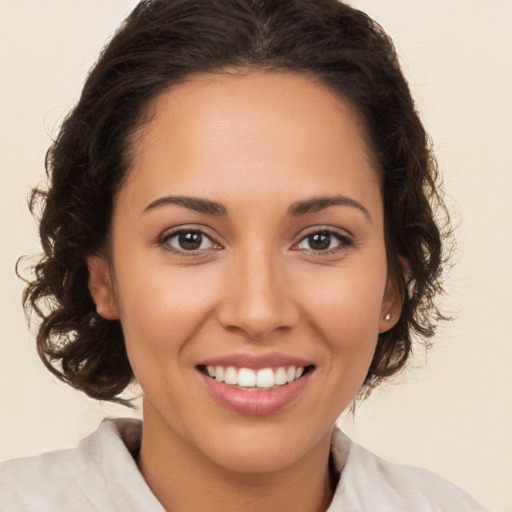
(258, 300)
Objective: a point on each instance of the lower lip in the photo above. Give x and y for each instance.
(256, 403)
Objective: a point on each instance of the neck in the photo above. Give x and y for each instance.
(184, 480)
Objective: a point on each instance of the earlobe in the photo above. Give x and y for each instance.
(100, 287)
(393, 298)
(391, 307)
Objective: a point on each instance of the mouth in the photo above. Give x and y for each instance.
(256, 384)
(256, 379)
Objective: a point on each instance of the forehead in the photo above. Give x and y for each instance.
(217, 135)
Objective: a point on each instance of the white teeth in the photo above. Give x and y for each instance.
(264, 378)
(219, 373)
(231, 376)
(290, 374)
(246, 378)
(280, 376)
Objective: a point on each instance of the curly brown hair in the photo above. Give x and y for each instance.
(163, 42)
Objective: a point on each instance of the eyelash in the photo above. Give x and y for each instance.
(345, 242)
(165, 239)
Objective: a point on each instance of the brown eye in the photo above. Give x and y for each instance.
(319, 241)
(323, 241)
(188, 241)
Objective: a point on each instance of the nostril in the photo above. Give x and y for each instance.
(257, 323)
(257, 301)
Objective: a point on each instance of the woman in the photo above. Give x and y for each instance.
(240, 217)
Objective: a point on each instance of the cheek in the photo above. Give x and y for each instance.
(344, 310)
(343, 313)
(160, 313)
(161, 309)
(347, 304)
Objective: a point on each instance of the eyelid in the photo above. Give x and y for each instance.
(346, 239)
(170, 233)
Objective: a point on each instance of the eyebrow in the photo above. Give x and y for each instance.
(192, 203)
(299, 208)
(321, 203)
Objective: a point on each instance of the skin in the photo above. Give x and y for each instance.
(258, 144)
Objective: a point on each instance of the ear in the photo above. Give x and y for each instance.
(392, 301)
(100, 287)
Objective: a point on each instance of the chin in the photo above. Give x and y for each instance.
(262, 449)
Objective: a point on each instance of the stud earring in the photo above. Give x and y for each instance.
(387, 317)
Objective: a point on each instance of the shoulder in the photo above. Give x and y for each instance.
(33, 483)
(368, 483)
(100, 474)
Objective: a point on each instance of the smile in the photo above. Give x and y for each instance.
(250, 379)
(264, 387)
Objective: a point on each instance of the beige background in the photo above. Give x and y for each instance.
(453, 415)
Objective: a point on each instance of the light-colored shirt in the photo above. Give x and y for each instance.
(101, 475)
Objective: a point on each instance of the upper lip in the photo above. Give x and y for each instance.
(256, 361)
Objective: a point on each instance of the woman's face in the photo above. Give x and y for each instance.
(248, 245)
